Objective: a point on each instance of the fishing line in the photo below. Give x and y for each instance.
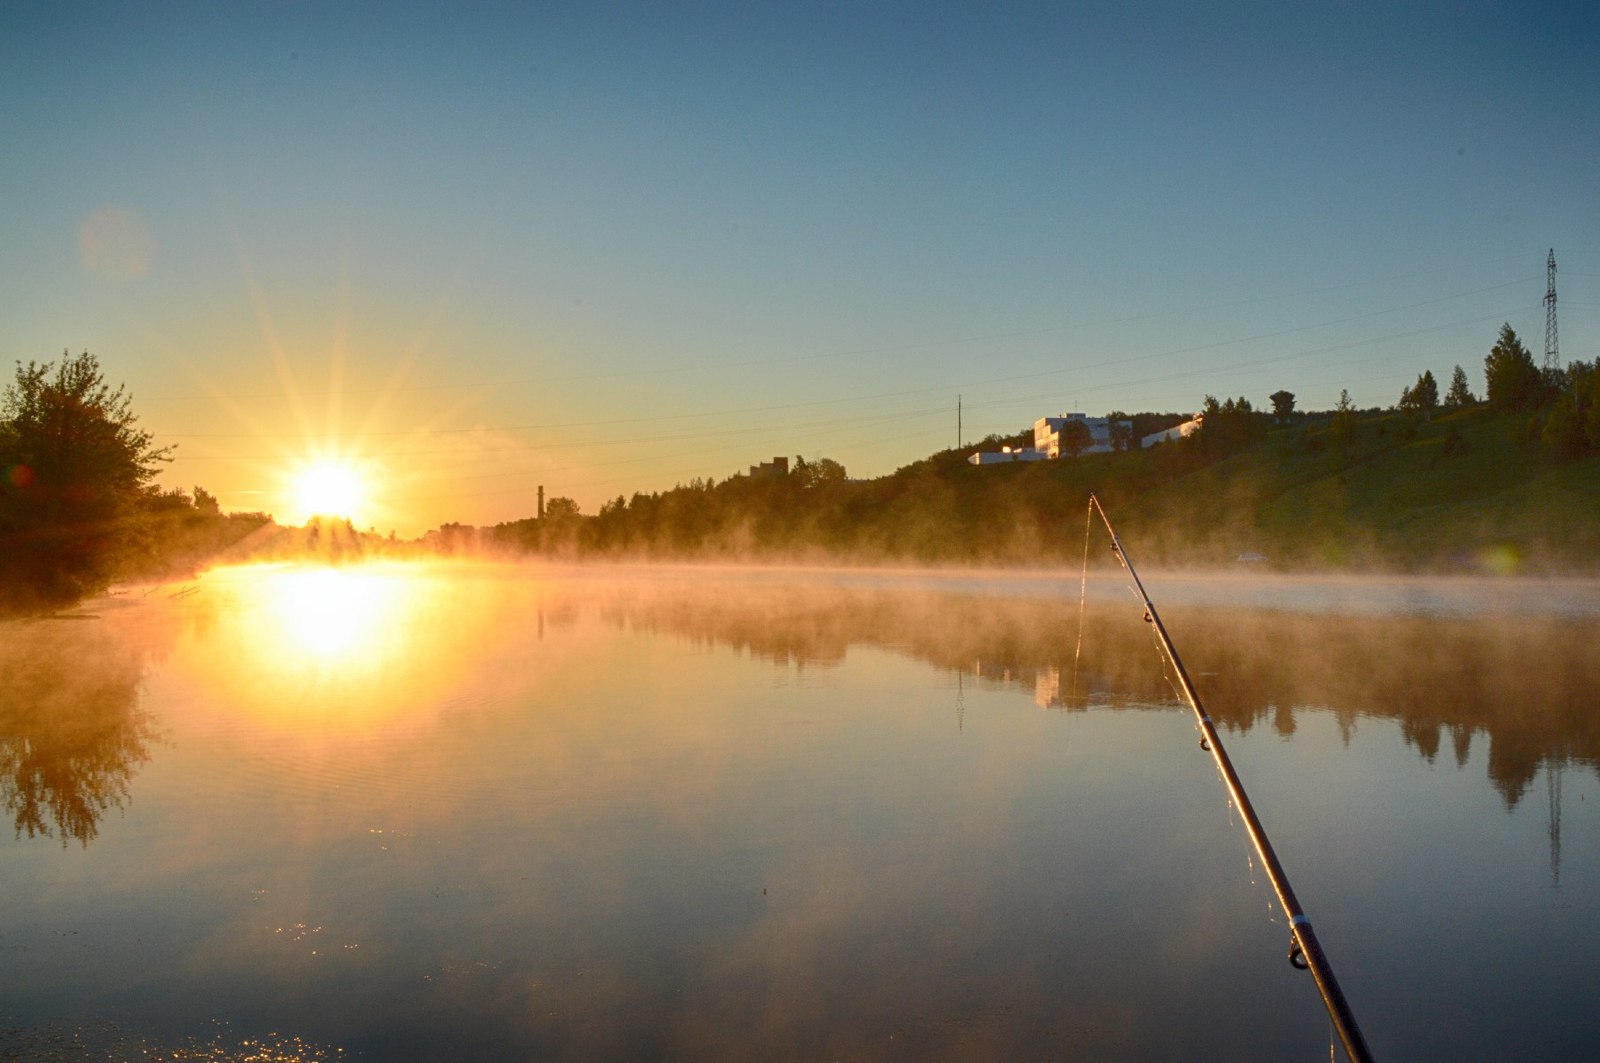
(1083, 594)
(1083, 597)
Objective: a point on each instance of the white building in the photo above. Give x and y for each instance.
(1177, 431)
(1005, 454)
(1047, 433)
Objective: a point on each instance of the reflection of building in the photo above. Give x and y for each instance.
(1047, 687)
(1044, 680)
(777, 468)
(1047, 692)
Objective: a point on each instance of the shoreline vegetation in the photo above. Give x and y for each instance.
(1507, 486)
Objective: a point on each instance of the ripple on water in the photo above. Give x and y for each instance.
(96, 1041)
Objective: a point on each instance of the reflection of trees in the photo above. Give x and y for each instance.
(71, 731)
(1522, 681)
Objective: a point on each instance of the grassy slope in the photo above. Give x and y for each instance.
(1465, 491)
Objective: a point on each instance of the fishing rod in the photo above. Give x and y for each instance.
(1305, 950)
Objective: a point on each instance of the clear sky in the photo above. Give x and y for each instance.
(608, 248)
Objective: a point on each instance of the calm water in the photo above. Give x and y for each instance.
(479, 813)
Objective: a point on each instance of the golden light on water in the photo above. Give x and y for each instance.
(334, 614)
(351, 645)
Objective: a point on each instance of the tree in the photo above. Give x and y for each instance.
(560, 508)
(1120, 426)
(1513, 380)
(1075, 438)
(1282, 405)
(1573, 428)
(1423, 397)
(1344, 418)
(1563, 432)
(1228, 425)
(810, 474)
(1427, 392)
(1459, 394)
(76, 468)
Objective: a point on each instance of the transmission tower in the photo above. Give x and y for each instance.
(1552, 345)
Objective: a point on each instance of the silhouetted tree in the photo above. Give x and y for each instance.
(1573, 427)
(75, 467)
(1344, 419)
(1586, 398)
(1075, 438)
(560, 508)
(810, 474)
(1459, 394)
(1228, 425)
(1563, 432)
(1513, 380)
(1427, 391)
(1120, 426)
(1282, 405)
(1422, 397)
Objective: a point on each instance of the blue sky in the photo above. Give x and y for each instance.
(609, 248)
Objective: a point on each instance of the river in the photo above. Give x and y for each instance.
(429, 811)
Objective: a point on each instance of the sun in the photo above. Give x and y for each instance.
(328, 489)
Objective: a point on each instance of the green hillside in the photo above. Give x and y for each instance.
(1470, 489)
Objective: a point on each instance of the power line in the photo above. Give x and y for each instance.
(1013, 378)
(874, 350)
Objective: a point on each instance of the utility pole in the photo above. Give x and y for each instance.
(958, 422)
(1552, 344)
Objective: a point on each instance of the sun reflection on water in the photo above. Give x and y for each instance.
(356, 643)
(337, 616)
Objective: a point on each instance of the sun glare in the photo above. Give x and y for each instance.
(328, 489)
(351, 644)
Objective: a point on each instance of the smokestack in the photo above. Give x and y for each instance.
(541, 501)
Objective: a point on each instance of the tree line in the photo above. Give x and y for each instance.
(941, 509)
(1562, 404)
(79, 506)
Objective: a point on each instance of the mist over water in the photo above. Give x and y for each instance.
(426, 811)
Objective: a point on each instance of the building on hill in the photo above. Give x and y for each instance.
(1177, 431)
(1005, 454)
(775, 469)
(1047, 439)
(1047, 433)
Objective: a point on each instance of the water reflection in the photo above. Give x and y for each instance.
(301, 619)
(332, 614)
(354, 646)
(1525, 682)
(72, 732)
(435, 812)
(377, 644)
